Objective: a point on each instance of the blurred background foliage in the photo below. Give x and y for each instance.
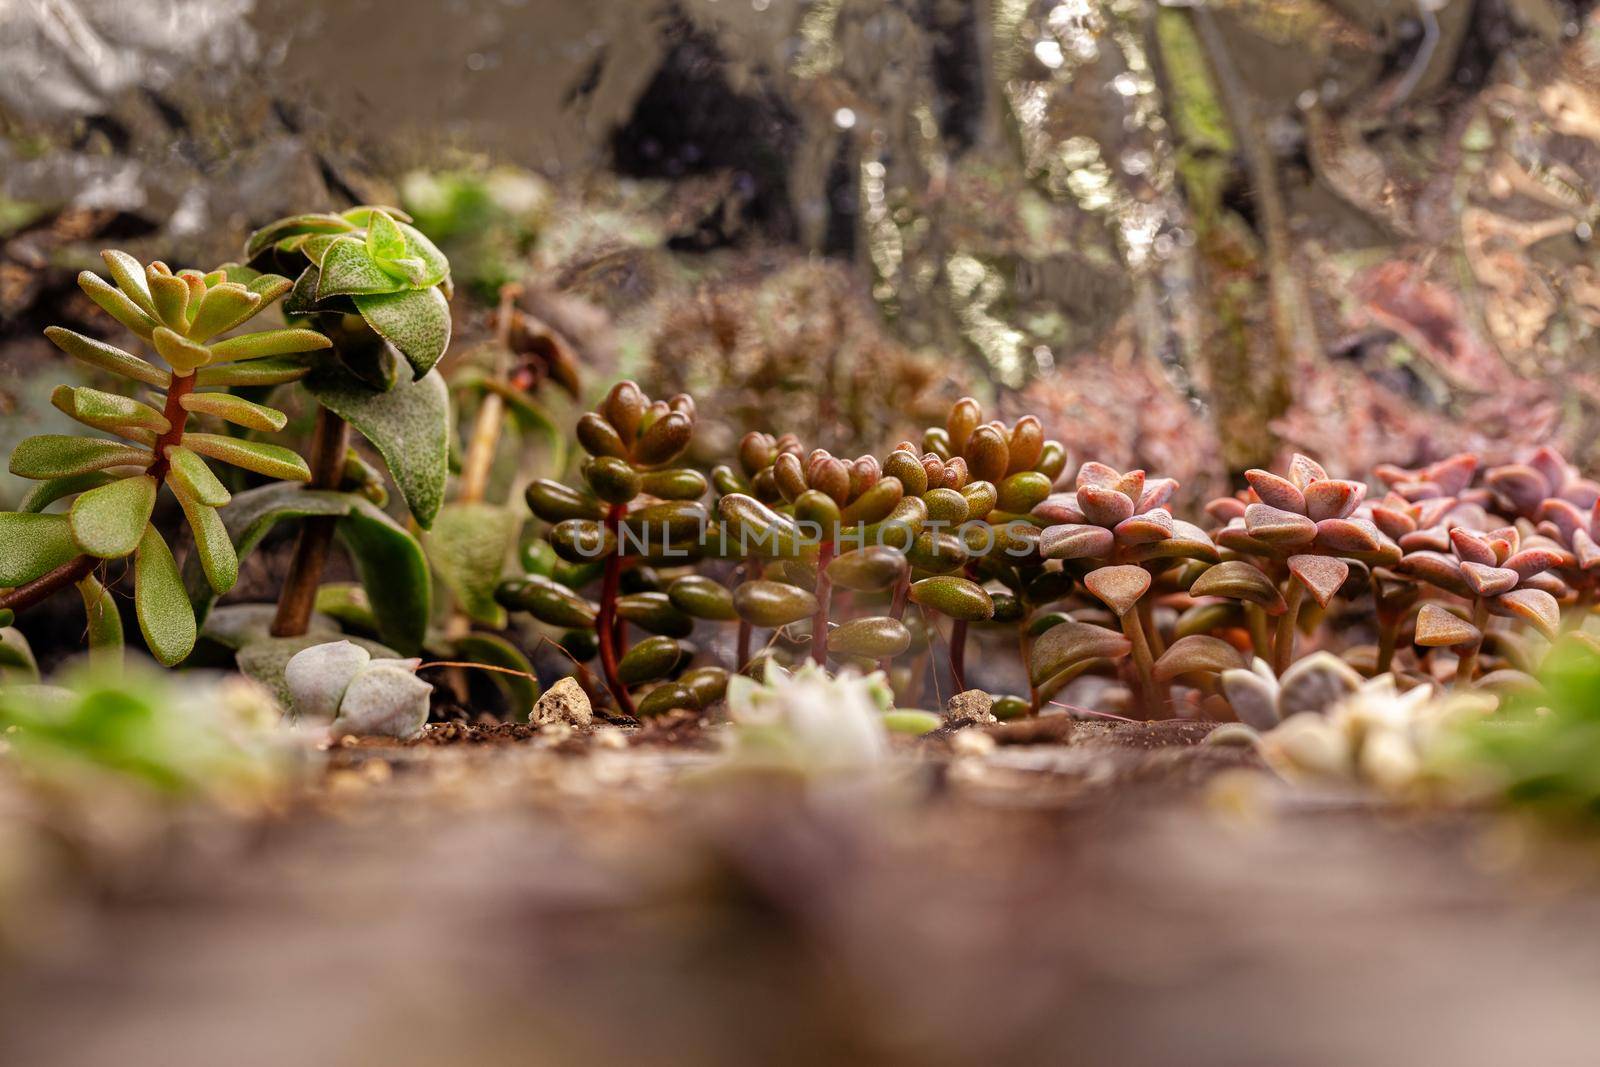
(1191, 238)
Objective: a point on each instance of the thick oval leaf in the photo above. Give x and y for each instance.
(222, 308)
(110, 412)
(1439, 628)
(49, 491)
(959, 598)
(875, 637)
(34, 545)
(1119, 588)
(129, 274)
(415, 321)
(870, 569)
(235, 409)
(1531, 605)
(548, 601)
(702, 597)
(212, 544)
(181, 354)
(258, 372)
(190, 477)
(1195, 654)
(468, 546)
(409, 426)
(54, 455)
(1069, 644)
(652, 658)
(1239, 580)
(268, 343)
(109, 521)
(104, 623)
(435, 267)
(165, 617)
(274, 461)
(772, 604)
(115, 303)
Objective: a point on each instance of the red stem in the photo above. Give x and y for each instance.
(604, 623)
(26, 596)
(819, 621)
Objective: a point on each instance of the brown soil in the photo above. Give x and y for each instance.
(1110, 900)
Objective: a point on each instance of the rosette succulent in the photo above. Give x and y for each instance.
(188, 318)
(339, 683)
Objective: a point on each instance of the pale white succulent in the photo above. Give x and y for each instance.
(340, 681)
(811, 720)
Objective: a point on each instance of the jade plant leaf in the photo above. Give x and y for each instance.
(468, 545)
(409, 426)
(348, 268)
(110, 521)
(34, 545)
(47, 492)
(389, 561)
(415, 321)
(54, 455)
(105, 624)
(274, 461)
(165, 617)
(237, 410)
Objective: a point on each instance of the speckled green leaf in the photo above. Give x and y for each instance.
(116, 414)
(468, 546)
(34, 545)
(268, 343)
(415, 321)
(237, 410)
(165, 617)
(181, 354)
(49, 491)
(104, 623)
(211, 544)
(222, 308)
(109, 521)
(254, 373)
(54, 455)
(191, 477)
(170, 295)
(116, 304)
(108, 358)
(348, 269)
(384, 240)
(435, 267)
(276, 231)
(409, 425)
(274, 461)
(129, 275)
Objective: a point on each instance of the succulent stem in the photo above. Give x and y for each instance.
(1260, 639)
(958, 655)
(1388, 633)
(329, 442)
(605, 631)
(177, 419)
(1025, 648)
(819, 621)
(1147, 619)
(1467, 665)
(1143, 662)
(1283, 644)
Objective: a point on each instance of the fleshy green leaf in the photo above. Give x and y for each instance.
(276, 231)
(384, 240)
(389, 561)
(34, 545)
(222, 308)
(105, 624)
(17, 665)
(129, 275)
(409, 425)
(48, 492)
(348, 269)
(182, 354)
(235, 409)
(54, 455)
(436, 268)
(255, 372)
(114, 303)
(268, 343)
(212, 544)
(274, 461)
(109, 521)
(165, 618)
(106, 357)
(359, 214)
(170, 294)
(468, 545)
(107, 411)
(269, 287)
(263, 660)
(416, 321)
(191, 477)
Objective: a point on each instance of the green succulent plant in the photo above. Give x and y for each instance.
(114, 481)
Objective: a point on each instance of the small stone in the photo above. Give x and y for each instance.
(973, 704)
(564, 702)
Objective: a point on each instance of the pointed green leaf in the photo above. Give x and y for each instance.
(302, 299)
(384, 239)
(235, 409)
(316, 246)
(468, 545)
(129, 275)
(191, 477)
(359, 214)
(108, 521)
(222, 308)
(347, 269)
(268, 343)
(48, 492)
(114, 303)
(276, 231)
(110, 412)
(105, 623)
(274, 461)
(182, 354)
(436, 268)
(165, 617)
(35, 545)
(54, 455)
(106, 357)
(269, 287)
(170, 294)
(254, 372)
(409, 425)
(389, 561)
(416, 321)
(212, 544)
